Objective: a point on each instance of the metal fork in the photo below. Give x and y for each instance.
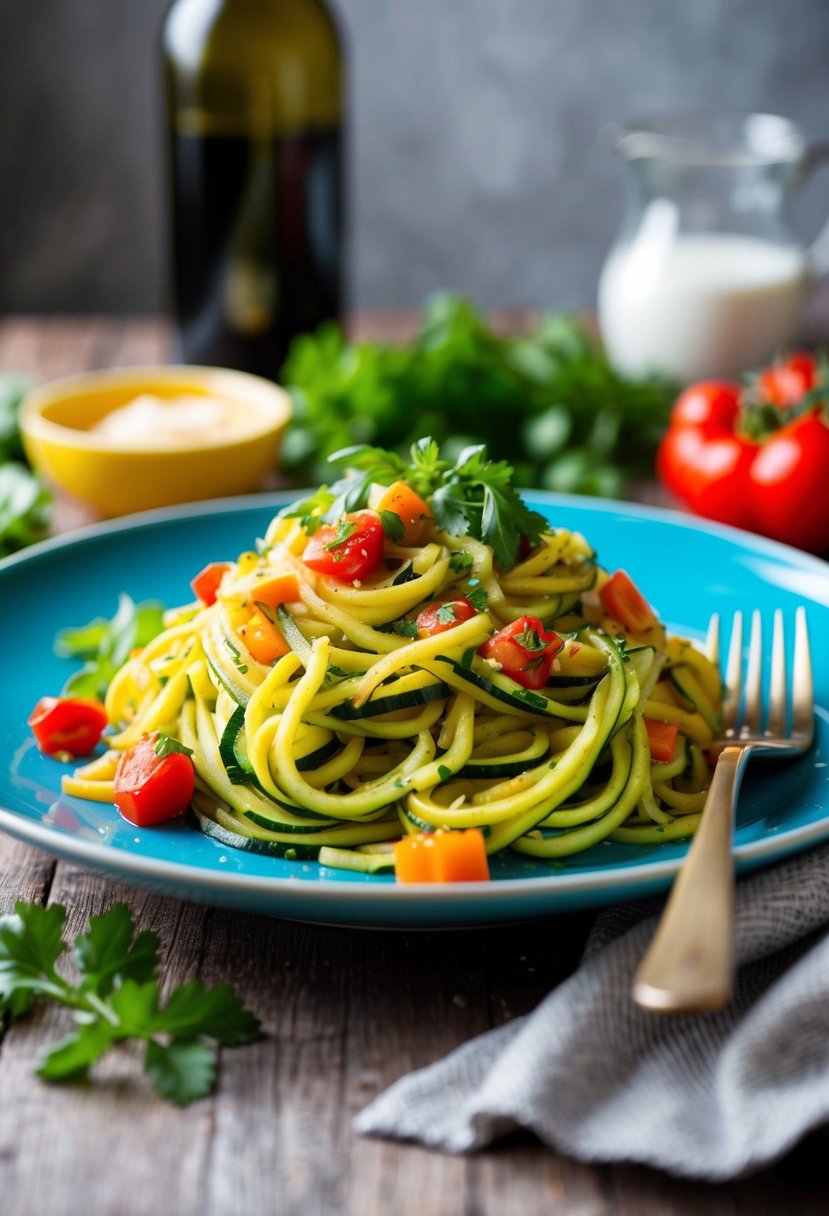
(689, 966)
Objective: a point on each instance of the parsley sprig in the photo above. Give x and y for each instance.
(472, 497)
(115, 998)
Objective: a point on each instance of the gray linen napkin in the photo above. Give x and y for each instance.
(708, 1096)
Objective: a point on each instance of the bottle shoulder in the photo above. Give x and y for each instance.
(219, 52)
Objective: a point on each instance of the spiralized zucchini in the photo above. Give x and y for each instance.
(361, 732)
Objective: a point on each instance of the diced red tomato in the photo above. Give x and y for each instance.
(71, 725)
(349, 550)
(412, 511)
(662, 737)
(206, 583)
(623, 600)
(524, 651)
(152, 783)
(443, 615)
(262, 638)
(442, 856)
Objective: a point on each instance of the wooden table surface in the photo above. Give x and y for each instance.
(345, 1012)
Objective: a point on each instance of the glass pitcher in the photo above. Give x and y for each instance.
(706, 277)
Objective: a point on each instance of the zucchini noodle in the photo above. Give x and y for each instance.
(364, 727)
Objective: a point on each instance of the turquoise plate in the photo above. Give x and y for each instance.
(686, 568)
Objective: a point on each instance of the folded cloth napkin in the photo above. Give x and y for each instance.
(708, 1096)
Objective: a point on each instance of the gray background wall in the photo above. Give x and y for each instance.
(476, 158)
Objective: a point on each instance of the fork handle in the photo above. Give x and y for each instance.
(689, 967)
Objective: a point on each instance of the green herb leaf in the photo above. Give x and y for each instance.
(405, 629)
(217, 1013)
(182, 1071)
(25, 508)
(166, 745)
(73, 1056)
(393, 525)
(446, 613)
(107, 952)
(477, 596)
(107, 644)
(460, 562)
(31, 942)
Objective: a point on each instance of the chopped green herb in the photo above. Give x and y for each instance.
(444, 773)
(345, 529)
(405, 628)
(477, 596)
(460, 562)
(166, 745)
(446, 614)
(393, 525)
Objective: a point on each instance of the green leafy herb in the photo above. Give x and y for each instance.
(105, 645)
(548, 402)
(345, 529)
(477, 596)
(474, 496)
(460, 562)
(25, 508)
(393, 525)
(116, 997)
(165, 745)
(446, 614)
(405, 629)
(12, 391)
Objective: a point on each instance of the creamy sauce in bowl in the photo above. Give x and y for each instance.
(178, 421)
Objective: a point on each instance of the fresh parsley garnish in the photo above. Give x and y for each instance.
(393, 525)
(105, 645)
(166, 745)
(116, 997)
(345, 529)
(405, 629)
(472, 497)
(460, 562)
(477, 596)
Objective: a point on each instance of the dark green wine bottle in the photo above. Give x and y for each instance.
(254, 104)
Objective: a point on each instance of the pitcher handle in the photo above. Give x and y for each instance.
(816, 155)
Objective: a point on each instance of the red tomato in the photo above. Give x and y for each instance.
(623, 600)
(524, 651)
(712, 405)
(68, 724)
(789, 484)
(150, 786)
(788, 379)
(440, 616)
(206, 583)
(349, 550)
(775, 483)
(702, 460)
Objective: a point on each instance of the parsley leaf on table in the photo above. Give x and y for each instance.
(117, 997)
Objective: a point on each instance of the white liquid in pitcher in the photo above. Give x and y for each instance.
(708, 304)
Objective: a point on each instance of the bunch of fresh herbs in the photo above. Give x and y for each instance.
(548, 402)
(25, 503)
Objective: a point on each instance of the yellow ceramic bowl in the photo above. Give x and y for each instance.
(198, 433)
